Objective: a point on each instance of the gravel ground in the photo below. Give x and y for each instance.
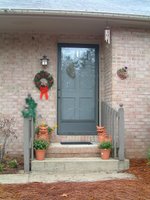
(137, 189)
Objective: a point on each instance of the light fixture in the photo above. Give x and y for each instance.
(107, 34)
(44, 61)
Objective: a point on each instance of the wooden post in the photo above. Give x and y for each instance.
(121, 132)
(26, 133)
(32, 138)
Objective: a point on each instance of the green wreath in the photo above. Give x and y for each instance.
(43, 75)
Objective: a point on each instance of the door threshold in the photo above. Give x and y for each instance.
(76, 143)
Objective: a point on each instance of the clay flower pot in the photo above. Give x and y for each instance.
(105, 148)
(108, 138)
(40, 154)
(43, 129)
(42, 133)
(40, 147)
(101, 138)
(105, 154)
(44, 136)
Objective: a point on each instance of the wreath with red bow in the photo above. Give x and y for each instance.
(43, 86)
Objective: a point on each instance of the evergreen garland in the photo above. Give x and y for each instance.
(30, 108)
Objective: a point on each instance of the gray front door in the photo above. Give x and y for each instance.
(77, 89)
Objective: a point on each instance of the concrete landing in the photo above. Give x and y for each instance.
(78, 165)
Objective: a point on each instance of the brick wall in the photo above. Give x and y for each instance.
(19, 62)
(107, 53)
(131, 48)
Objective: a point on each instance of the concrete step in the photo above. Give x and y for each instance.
(78, 165)
(57, 150)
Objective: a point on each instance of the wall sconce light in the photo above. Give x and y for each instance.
(107, 34)
(44, 61)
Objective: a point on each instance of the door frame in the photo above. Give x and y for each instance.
(97, 92)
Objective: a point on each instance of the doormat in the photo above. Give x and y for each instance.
(75, 143)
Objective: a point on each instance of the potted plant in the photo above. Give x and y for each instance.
(102, 134)
(105, 148)
(43, 131)
(40, 147)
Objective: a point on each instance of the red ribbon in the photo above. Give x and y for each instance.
(44, 92)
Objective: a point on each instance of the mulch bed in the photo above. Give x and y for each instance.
(138, 189)
(10, 170)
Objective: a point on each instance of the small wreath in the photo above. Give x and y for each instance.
(43, 75)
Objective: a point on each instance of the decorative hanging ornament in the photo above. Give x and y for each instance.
(107, 35)
(43, 81)
(123, 73)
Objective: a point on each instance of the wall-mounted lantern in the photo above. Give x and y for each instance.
(44, 61)
(107, 34)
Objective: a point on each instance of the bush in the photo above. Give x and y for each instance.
(148, 156)
(7, 133)
(105, 145)
(13, 163)
(1, 167)
(40, 144)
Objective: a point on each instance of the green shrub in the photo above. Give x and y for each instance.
(1, 167)
(13, 163)
(105, 145)
(49, 129)
(148, 156)
(40, 144)
(37, 130)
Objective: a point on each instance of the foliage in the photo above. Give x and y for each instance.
(148, 156)
(105, 145)
(37, 129)
(7, 133)
(13, 163)
(30, 108)
(49, 129)
(1, 167)
(40, 144)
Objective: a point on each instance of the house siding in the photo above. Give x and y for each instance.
(131, 48)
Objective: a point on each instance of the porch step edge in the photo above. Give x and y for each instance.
(79, 165)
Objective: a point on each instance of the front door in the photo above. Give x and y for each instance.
(77, 89)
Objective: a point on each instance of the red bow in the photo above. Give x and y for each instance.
(44, 91)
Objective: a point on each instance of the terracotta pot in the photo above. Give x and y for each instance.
(40, 154)
(43, 133)
(101, 138)
(108, 138)
(105, 154)
(43, 129)
(44, 136)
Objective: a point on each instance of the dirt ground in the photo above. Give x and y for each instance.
(138, 189)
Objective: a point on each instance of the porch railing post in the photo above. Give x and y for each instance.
(121, 132)
(32, 138)
(26, 133)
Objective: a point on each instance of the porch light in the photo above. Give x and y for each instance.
(107, 35)
(44, 61)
